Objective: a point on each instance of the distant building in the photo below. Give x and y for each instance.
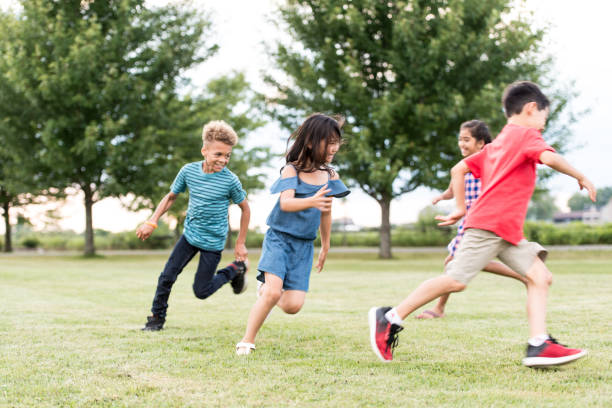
(590, 216)
(606, 212)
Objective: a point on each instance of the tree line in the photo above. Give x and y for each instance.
(94, 95)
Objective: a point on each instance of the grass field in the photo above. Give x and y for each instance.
(69, 336)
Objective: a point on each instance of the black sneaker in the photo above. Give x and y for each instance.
(154, 323)
(239, 283)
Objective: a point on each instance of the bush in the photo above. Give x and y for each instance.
(30, 243)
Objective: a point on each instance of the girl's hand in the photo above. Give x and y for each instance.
(451, 218)
(321, 260)
(437, 200)
(240, 252)
(144, 231)
(321, 202)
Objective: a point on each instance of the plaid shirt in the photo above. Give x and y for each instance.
(472, 191)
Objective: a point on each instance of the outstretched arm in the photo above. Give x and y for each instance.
(446, 195)
(145, 230)
(557, 162)
(240, 249)
(457, 186)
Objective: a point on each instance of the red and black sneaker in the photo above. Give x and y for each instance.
(383, 334)
(551, 353)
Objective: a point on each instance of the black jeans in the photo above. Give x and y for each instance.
(206, 281)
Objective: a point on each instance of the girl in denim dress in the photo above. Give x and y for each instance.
(306, 186)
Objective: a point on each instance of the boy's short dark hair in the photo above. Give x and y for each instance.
(519, 93)
(478, 129)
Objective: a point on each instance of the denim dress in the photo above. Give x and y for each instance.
(288, 246)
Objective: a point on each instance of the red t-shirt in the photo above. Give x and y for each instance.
(507, 170)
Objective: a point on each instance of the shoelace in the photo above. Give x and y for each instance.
(393, 336)
(554, 341)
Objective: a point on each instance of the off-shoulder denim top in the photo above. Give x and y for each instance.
(301, 224)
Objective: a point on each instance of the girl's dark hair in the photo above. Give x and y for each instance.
(305, 153)
(478, 129)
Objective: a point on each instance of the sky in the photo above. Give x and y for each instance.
(578, 39)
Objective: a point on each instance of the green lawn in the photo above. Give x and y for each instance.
(69, 336)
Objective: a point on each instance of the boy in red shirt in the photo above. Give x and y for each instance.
(494, 227)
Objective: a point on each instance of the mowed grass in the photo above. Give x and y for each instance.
(70, 336)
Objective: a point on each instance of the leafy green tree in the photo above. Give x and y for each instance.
(95, 71)
(581, 202)
(23, 178)
(405, 74)
(542, 207)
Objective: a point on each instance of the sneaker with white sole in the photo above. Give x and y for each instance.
(239, 283)
(551, 353)
(383, 334)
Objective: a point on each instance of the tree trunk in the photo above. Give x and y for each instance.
(90, 249)
(384, 251)
(8, 245)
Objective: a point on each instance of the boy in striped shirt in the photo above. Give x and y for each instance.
(211, 188)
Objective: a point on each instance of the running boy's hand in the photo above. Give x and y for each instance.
(144, 231)
(240, 252)
(451, 218)
(321, 260)
(321, 202)
(586, 183)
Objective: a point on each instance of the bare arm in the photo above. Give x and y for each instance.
(325, 229)
(457, 185)
(240, 250)
(145, 230)
(558, 163)
(446, 195)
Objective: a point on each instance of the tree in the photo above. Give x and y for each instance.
(542, 207)
(23, 178)
(581, 202)
(95, 71)
(405, 74)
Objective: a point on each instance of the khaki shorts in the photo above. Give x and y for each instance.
(478, 247)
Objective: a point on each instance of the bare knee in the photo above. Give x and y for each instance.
(293, 308)
(271, 295)
(456, 286)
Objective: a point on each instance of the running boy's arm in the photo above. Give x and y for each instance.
(557, 162)
(289, 203)
(145, 230)
(457, 186)
(240, 250)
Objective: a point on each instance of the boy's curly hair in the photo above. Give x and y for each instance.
(219, 131)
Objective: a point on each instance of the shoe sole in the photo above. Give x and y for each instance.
(552, 361)
(372, 323)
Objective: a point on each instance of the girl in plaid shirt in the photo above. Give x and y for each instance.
(473, 136)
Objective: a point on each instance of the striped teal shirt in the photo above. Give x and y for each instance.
(209, 198)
